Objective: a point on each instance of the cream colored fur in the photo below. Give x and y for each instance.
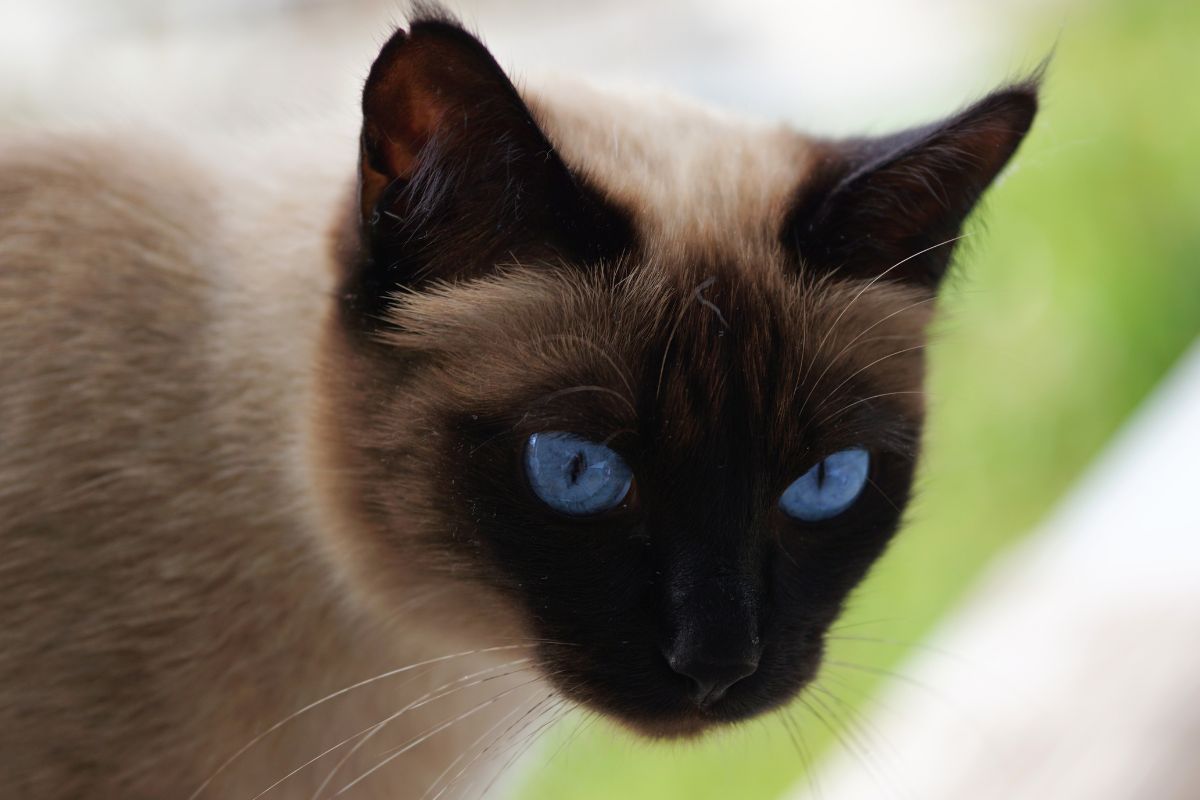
(165, 588)
(174, 578)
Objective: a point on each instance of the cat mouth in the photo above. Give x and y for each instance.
(661, 704)
(677, 716)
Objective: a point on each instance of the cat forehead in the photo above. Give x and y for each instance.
(678, 329)
(695, 180)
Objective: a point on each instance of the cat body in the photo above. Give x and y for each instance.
(163, 307)
(239, 470)
(167, 596)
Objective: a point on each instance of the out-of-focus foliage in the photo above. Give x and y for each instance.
(1076, 298)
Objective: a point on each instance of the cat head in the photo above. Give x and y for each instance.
(643, 387)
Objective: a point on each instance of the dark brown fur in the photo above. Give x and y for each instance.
(693, 374)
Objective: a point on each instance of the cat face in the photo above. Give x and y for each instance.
(669, 461)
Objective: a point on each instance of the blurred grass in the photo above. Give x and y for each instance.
(1077, 297)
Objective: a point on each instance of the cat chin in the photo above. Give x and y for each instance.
(671, 716)
(678, 730)
(689, 723)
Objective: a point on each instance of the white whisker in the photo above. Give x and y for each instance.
(396, 753)
(442, 775)
(845, 349)
(531, 710)
(860, 370)
(523, 747)
(367, 730)
(662, 367)
(623, 374)
(600, 389)
(829, 331)
(444, 690)
(860, 401)
(390, 673)
(858, 744)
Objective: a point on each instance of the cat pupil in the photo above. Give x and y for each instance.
(577, 466)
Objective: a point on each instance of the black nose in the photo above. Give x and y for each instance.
(710, 677)
(712, 619)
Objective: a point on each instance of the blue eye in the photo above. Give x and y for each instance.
(575, 476)
(829, 488)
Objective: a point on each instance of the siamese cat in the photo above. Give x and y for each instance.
(321, 480)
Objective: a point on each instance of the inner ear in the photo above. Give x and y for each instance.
(892, 207)
(456, 176)
(434, 81)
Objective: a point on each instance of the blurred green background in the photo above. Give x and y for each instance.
(1079, 289)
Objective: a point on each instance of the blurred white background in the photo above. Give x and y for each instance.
(830, 66)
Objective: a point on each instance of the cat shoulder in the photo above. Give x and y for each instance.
(91, 213)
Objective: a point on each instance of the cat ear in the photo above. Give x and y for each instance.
(455, 174)
(872, 203)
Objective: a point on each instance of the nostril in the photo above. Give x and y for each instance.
(710, 679)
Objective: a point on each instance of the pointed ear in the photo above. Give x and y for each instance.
(872, 203)
(435, 81)
(455, 175)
